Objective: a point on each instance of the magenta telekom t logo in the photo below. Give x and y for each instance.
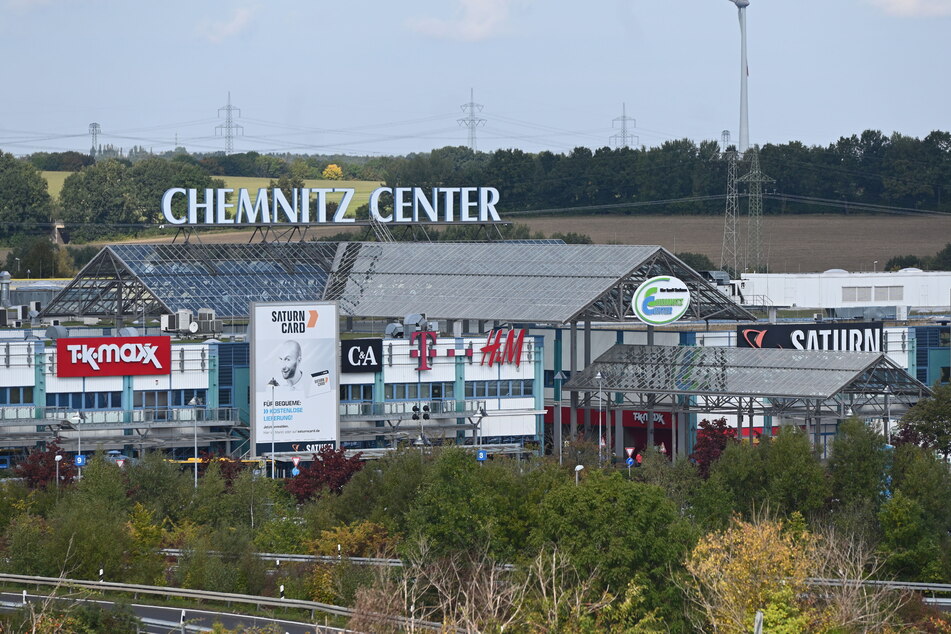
(425, 342)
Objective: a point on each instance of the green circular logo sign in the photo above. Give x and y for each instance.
(661, 300)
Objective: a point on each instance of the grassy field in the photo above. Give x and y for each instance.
(54, 181)
(361, 194)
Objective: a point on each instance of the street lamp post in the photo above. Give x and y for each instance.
(888, 414)
(578, 469)
(273, 384)
(600, 378)
(559, 379)
(58, 459)
(194, 402)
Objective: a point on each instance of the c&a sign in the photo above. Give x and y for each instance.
(113, 356)
(361, 355)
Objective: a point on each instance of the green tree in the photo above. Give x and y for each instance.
(942, 260)
(911, 551)
(623, 531)
(857, 466)
(899, 262)
(929, 421)
(37, 257)
(100, 200)
(160, 486)
(26, 540)
(152, 177)
(796, 480)
(24, 198)
(696, 261)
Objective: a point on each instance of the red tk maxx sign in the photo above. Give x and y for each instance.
(113, 356)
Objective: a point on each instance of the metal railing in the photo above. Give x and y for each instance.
(185, 415)
(331, 559)
(405, 408)
(204, 595)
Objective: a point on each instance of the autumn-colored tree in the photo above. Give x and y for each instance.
(360, 539)
(332, 172)
(39, 467)
(757, 565)
(712, 439)
(330, 469)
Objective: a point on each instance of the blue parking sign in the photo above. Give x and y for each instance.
(80, 461)
(481, 455)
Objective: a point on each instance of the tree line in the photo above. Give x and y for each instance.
(861, 173)
(692, 545)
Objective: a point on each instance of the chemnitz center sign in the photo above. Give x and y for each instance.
(309, 206)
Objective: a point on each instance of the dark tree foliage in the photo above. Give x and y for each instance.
(942, 260)
(230, 468)
(60, 161)
(905, 261)
(712, 440)
(24, 198)
(329, 470)
(39, 468)
(928, 423)
(696, 261)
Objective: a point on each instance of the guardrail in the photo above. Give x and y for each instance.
(914, 586)
(203, 595)
(330, 559)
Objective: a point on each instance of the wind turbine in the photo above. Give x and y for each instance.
(744, 142)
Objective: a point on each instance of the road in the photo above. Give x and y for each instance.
(163, 620)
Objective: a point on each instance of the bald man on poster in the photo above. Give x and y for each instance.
(289, 358)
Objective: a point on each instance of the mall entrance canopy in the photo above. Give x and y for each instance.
(806, 385)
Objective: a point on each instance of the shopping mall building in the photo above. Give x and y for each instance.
(507, 346)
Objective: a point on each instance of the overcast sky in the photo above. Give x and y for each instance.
(384, 77)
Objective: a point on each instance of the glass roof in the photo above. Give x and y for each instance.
(499, 281)
(228, 277)
(763, 373)
(502, 281)
(130, 279)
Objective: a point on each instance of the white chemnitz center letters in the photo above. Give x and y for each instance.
(307, 205)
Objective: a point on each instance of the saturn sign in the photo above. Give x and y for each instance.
(661, 300)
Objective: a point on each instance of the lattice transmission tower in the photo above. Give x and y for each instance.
(229, 128)
(624, 138)
(94, 131)
(471, 121)
(729, 255)
(754, 261)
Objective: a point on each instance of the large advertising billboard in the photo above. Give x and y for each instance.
(113, 356)
(857, 337)
(294, 376)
